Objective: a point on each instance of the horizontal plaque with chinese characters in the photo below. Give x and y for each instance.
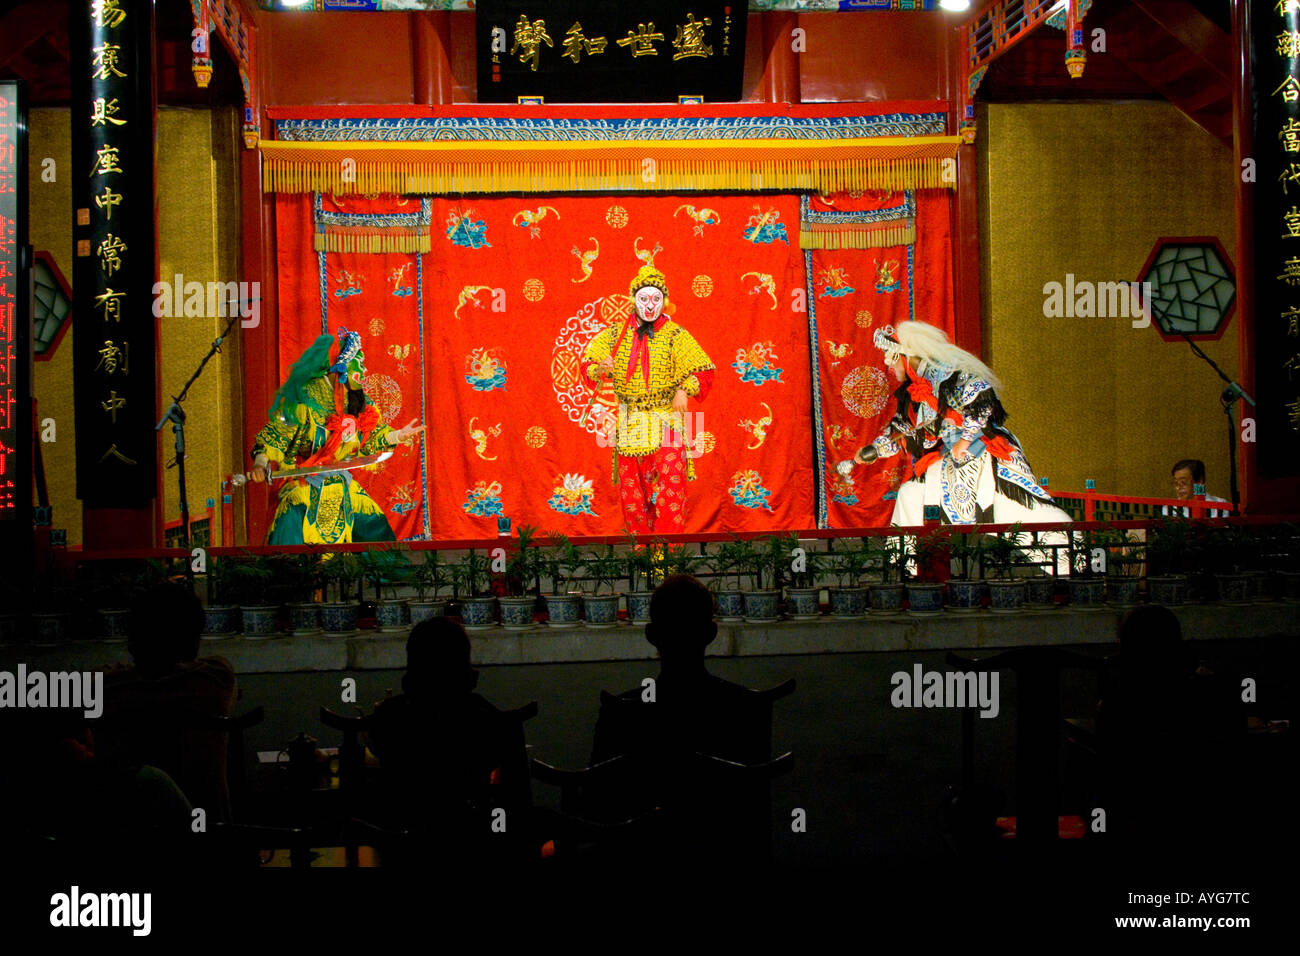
(584, 51)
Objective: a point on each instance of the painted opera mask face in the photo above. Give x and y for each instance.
(649, 303)
(356, 370)
(899, 368)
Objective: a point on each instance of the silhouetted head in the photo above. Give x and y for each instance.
(1150, 637)
(681, 619)
(437, 659)
(166, 622)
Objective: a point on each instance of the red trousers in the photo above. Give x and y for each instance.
(660, 478)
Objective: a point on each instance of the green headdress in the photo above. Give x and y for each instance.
(313, 363)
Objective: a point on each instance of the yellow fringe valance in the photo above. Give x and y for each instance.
(440, 168)
(857, 236)
(372, 240)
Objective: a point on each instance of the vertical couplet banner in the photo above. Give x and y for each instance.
(1276, 29)
(113, 266)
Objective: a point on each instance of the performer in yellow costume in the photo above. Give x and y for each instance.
(307, 428)
(656, 365)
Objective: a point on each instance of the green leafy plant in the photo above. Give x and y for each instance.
(248, 580)
(731, 557)
(1002, 552)
(933, 553)
(342, 572)
(885, 556)
(428, 576)
(470, 574)
(849, 565)
(605, 568)
(1170, 547)
(1122, 559)
(384, 570)
(560, 561)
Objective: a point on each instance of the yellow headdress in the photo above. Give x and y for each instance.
(649, 275)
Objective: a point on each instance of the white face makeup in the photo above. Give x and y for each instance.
(649, 303)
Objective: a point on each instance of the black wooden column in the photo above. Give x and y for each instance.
(112, 172)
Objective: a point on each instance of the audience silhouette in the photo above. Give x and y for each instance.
(449, 759)
(147, 701)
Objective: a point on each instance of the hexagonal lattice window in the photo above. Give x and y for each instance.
(1193, 288)
(52, 305)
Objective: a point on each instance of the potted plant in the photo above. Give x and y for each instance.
(248, 581)
(342, 574)
(849, 597)
(889, 559)
(470, 576)
(651, 564)
(1283, 558)
(767, 558)
(1227, 555)
(803, 595)
(601, 610)
(1006, 592)
(966, 586)
(1169, 554)
(427, 576)
(387, 571)
(561, 561)
(522, 568)
(731, 558)
(933, 566)
(303, 572)
(1122, 566)
(1087, 570)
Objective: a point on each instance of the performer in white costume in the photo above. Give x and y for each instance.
(950, 421)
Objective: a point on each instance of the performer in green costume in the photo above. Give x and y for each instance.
(314, 423)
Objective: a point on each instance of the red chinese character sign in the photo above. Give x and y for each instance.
(15, 346)
(113, 264)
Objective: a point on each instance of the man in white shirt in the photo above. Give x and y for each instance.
(1187, 474)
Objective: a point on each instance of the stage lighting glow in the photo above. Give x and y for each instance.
(954, 6)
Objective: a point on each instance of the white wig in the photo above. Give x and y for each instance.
(928, 343)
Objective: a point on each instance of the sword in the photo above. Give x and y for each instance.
(346, 465)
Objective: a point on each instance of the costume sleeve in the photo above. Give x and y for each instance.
(598, 349)
(279, 438)
(377, 440)
(886, 447)
(690, 361)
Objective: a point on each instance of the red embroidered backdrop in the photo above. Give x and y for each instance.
(480, 338)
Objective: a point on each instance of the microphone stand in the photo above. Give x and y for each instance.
(176, 415)
(1229, 399)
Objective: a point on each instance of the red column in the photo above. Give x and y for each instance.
(432, 58)
(780, 62)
